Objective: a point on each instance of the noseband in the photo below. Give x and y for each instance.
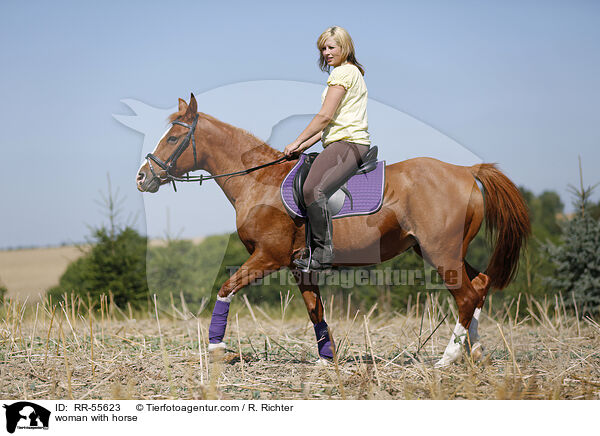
(171, 162)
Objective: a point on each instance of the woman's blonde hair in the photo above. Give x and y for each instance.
(343, 39)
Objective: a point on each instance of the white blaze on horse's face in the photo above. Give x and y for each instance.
(144, 182)
(157, 144)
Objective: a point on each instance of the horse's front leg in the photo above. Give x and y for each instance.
(307, 283)
(256, 267)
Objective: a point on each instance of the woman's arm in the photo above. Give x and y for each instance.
(306, 139)
(310, 142)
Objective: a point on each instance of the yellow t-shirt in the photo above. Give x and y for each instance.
(349, 122)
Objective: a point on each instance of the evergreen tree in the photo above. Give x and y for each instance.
(595, 210)
(577, 259)
(115, 264)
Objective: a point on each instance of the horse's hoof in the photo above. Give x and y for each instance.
(448, 358)
(214, 347)
(323, 362)
(477, 351)
(443, 362)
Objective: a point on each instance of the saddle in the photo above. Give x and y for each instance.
(361, 194)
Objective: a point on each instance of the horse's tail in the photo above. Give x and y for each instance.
(507, 219)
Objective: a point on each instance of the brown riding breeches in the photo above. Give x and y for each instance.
(332, 168)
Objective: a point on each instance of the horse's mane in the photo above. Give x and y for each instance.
(234, 130)
(175, 115)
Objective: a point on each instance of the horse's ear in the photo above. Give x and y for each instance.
(193, 107)
(183, 106)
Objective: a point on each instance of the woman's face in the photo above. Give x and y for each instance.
(332, 53)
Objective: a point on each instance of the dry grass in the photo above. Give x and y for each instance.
(54, 352)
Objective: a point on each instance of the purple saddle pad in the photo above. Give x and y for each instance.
(366, 190)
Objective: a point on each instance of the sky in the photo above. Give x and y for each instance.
(511, 82)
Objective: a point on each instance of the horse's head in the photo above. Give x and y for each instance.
(175, 154)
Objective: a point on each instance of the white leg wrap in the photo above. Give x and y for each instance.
(219, 346)
(226, 299)
(322, 362)
(453, 350)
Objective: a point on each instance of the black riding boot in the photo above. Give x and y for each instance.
(320, 233)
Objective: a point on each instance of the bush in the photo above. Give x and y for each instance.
(199, 271)
(172, 268)
(182, 267)
(116, 263)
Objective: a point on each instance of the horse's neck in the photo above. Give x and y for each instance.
(229, 149)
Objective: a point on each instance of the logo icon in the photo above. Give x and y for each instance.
(26, 415)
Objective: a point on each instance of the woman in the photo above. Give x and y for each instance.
(342, 126)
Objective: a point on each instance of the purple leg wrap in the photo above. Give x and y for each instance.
(324, 342)
(218, 322)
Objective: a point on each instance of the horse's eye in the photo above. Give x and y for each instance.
(172, 139)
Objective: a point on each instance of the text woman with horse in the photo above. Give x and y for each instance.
(433, 207)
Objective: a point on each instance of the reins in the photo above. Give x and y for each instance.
(171, 162)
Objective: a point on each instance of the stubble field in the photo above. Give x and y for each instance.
(67, 351)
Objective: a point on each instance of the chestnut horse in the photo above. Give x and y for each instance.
(430, 206)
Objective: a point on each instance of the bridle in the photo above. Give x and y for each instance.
(171, 161)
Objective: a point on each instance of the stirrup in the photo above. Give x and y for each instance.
(308, 265)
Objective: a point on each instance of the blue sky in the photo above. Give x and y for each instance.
(514, 82)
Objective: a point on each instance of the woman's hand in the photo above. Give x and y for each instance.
(292, 149)
(297, 147)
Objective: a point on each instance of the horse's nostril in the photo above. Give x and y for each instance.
(140, 177)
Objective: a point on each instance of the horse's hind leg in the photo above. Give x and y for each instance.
(469, 295)
(466, 297)
(481, 284)
(308, 285)
(456, 277)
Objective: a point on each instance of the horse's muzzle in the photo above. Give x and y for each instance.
(147, 184)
